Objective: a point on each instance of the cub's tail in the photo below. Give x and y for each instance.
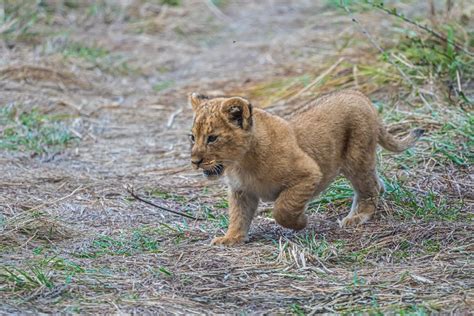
(387, 141)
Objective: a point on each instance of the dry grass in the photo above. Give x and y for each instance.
(31, 74)
(32, 225)
(73, 240)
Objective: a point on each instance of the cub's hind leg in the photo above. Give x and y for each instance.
(360, 168)
(368, 187)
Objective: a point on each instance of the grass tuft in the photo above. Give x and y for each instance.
(409, 204)
(173, 3)
(139, 241)
(32, 131)
(88, 53)
(45, 272)
(319, 247)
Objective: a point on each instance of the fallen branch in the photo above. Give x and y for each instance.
(137, 197)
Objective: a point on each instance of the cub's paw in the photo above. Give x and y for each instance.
(228, 241)
(353, 221)
(292, 222)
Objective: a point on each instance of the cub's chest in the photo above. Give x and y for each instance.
(265, 190)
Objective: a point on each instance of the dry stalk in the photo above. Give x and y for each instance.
(317, 80)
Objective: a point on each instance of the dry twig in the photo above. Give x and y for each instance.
(137, 197)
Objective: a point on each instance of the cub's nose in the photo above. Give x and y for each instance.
(196, 162)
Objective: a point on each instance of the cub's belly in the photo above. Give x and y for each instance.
(269, 195)
(265, 191)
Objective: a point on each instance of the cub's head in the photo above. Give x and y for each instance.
(221, 133)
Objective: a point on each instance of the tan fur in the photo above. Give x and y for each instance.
(264, 157)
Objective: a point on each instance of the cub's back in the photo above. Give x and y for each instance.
(324, 126)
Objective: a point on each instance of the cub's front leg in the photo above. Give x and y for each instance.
(242, 207)
(291, 203)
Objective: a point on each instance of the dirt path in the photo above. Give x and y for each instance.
(119, 255)
(133, 134)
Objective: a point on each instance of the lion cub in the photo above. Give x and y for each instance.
(264, 157)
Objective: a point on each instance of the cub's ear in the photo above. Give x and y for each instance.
(196, 99)
(238, 111)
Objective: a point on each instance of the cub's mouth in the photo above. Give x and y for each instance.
(214, 171)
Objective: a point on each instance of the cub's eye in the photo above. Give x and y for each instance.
(211, 139)
(192, 138)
